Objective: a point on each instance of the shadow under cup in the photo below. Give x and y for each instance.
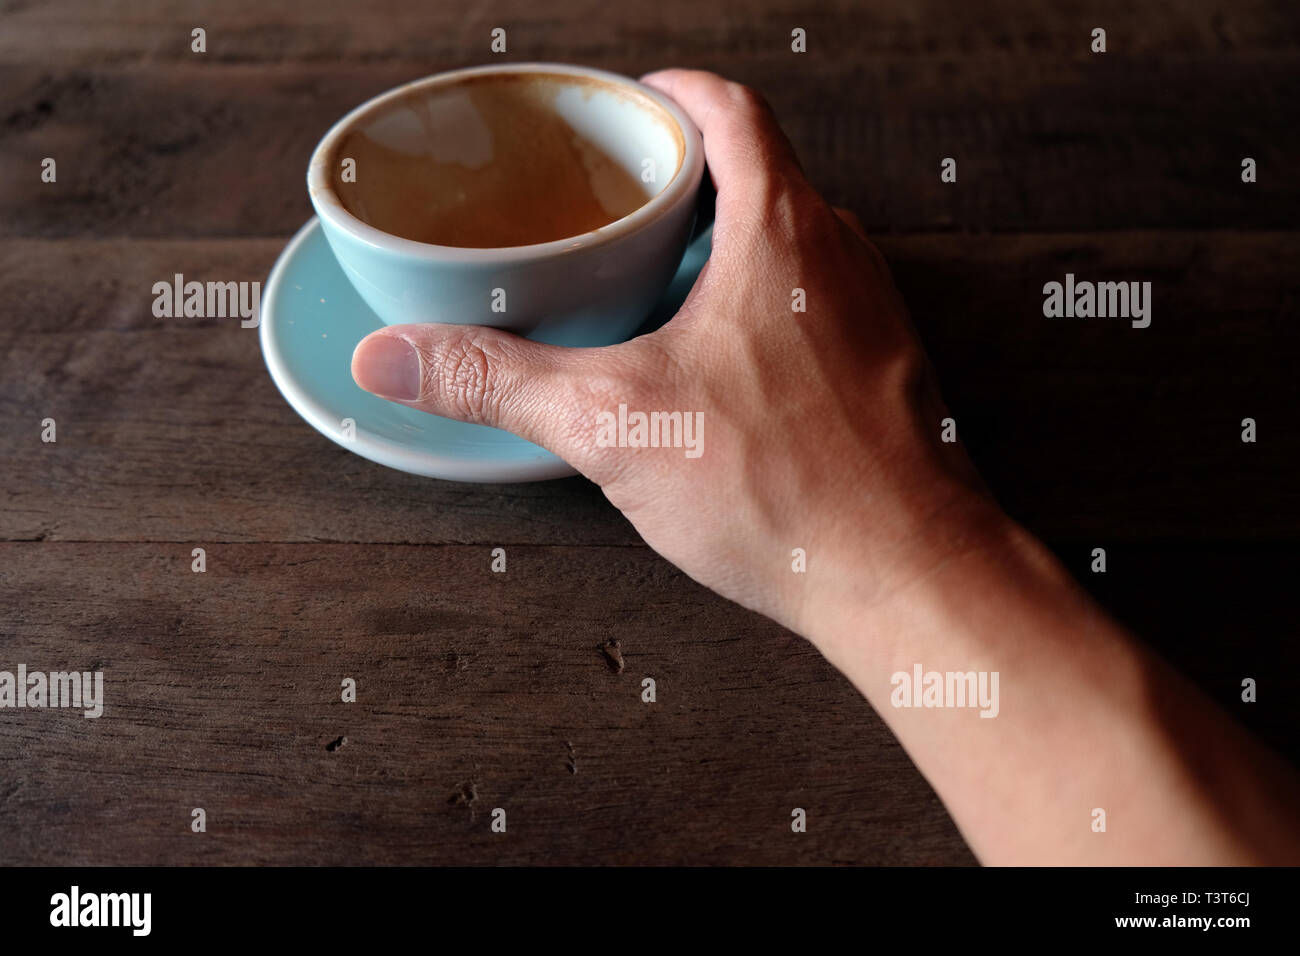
(553, 201)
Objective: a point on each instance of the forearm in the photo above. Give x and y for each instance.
(1086, 719)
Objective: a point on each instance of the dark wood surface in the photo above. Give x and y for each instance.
(479, 690)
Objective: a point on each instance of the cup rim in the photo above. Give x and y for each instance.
(329, 206)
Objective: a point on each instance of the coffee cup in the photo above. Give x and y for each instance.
(551, 200)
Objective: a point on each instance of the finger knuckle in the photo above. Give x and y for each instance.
(636, 376)
(746, 100)
(907, 368)
(464, 376)
(788, 214)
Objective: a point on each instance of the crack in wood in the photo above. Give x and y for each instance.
(613, 651)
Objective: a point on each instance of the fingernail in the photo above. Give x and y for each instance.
(388, 366)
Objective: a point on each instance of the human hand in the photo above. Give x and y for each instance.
(822, 432)
(820, 427)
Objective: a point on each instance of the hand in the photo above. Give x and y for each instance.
(820, 428)
(821, 431)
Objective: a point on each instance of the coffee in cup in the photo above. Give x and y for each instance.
(507, 169)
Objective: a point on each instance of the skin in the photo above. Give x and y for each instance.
(822, 432)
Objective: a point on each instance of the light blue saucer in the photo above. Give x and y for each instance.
(311, 321)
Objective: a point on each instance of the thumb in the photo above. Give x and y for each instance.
(483, 376)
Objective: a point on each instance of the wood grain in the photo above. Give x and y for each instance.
(122, 32)
(1044, 139)
(480, 690)
(475, 691)
(171, 429)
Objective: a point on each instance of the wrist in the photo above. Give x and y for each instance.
(945, 589)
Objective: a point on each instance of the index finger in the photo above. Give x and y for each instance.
(743, 144)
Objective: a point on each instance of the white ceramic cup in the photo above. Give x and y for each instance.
(586, 290)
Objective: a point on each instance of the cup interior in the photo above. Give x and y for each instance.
(509, 158)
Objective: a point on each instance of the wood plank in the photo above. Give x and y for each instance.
(475, 691)
(74, 33)
(182, 417)
(171, 430)
(222, 691)
(1090, 426)
(1046, 144)
(480, 690)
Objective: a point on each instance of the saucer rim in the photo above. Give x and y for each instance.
(383, 451)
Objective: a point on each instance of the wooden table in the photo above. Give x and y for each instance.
(479, 690)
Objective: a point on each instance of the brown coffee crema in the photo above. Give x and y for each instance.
(515, 173)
